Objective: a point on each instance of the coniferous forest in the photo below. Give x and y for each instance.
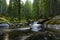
(29, 19)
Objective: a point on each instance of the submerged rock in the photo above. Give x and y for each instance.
(42, 36)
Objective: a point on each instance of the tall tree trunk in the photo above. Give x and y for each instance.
(36, 9)
(19, 6)
(53, 7)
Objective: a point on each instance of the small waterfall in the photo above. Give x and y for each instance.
(35, 27)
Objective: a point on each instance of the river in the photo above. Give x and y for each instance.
(6, 31)
(6, 35)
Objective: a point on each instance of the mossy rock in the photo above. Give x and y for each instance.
(57, 21)
(54, 20)
(3, 20)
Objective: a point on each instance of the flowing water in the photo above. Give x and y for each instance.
(35, 27)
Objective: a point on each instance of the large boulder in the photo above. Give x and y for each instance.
(54, 20)
(4, 26)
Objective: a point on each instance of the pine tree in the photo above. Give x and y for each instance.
(13, 8)
(19, 6)
(45, 8)
(3, 7)
(28, 9)
(58, 7)
(53, 7)
(36, 8)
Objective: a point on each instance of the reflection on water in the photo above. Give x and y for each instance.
(23, 28)
(6, 37)
(14, 35)
(18, 34)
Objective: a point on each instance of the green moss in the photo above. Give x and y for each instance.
(3, 20)
(53, 22)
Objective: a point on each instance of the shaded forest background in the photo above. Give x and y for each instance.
(39, 9)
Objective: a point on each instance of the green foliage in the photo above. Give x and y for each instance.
(45, 8)
(13, 8)
(40, 9)
(58, 7)
(3, 7)
(53, 21)
(36, 9)
(3, 20)
(28, 10)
